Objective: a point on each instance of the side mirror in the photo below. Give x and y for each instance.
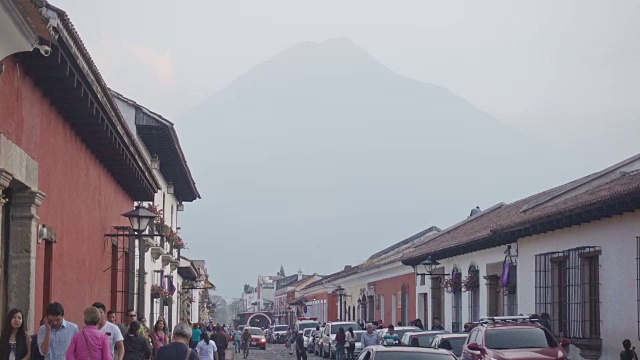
(564, 342)
(474, 347)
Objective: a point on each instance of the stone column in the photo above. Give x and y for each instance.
(22, 252)
(5, 179)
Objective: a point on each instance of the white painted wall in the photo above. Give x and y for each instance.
(171, 218)
(618, 268)
(479, 258)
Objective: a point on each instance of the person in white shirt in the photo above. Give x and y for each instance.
(207, 349)
(116, 341)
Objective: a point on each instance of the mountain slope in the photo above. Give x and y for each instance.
(325, 148)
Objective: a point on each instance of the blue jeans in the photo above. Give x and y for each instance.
(237, 346)
(350, 351)
(339, 352)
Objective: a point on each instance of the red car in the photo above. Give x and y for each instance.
(518, 337)
(257, 338)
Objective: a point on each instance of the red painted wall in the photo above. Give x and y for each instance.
(83, 200)
(390, 286)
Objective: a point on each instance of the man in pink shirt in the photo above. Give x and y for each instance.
(90, 343)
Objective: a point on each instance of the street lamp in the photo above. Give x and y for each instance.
(139, 218)
(429, 266)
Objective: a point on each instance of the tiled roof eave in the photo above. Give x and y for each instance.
(82, 56)
(581, 213)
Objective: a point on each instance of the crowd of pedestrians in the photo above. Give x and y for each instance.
(101, 338)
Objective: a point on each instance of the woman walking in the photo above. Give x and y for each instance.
(13, 340)
(160, 336)
(341, 339)
(195, 336)
(136, 346)
(90, 343)
(350, 344)
(206, 349)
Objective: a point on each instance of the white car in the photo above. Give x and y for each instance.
(398, 330)
(329, 336)
(307, 337)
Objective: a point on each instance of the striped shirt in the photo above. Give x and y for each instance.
(60, 340)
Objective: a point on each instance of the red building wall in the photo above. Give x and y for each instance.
(390, 286)
(83, 201)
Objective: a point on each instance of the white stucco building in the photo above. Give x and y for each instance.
(574, 258)
(160, 257)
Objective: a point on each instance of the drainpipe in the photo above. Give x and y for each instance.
(141, 275)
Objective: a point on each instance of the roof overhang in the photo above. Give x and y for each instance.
(70, 80)
(300, 300)
(618, 205)
(161, 139)
(16, 34)
(188, 272)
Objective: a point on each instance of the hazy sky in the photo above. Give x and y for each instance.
(564, 71)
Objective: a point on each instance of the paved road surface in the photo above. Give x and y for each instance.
(273, 352)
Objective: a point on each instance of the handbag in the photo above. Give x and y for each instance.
(87, 344)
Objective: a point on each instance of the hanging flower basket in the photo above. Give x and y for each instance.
(156, 210)
(471, 282)
(157, 291)
(167, 300)
(451, 284)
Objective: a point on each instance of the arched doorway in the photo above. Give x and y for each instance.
(259, 320)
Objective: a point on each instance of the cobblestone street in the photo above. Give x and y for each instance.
(273, 352)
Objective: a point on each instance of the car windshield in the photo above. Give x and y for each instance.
(307, 332)
(345, 326)
(255, 332)
(404, 355)
(456, 344)
(307, 325)
(358, 336)
(281, 328)
(529, 338)
(424, 340)
(401, 332)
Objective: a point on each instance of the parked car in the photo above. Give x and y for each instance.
(398, 330)
(307, 337)
(279, 333)
(502, 338)
(306, 323)
(419, 338)
(380, 352)
(329, 336)
(358, 347)
(451, 342)
(257, 338)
